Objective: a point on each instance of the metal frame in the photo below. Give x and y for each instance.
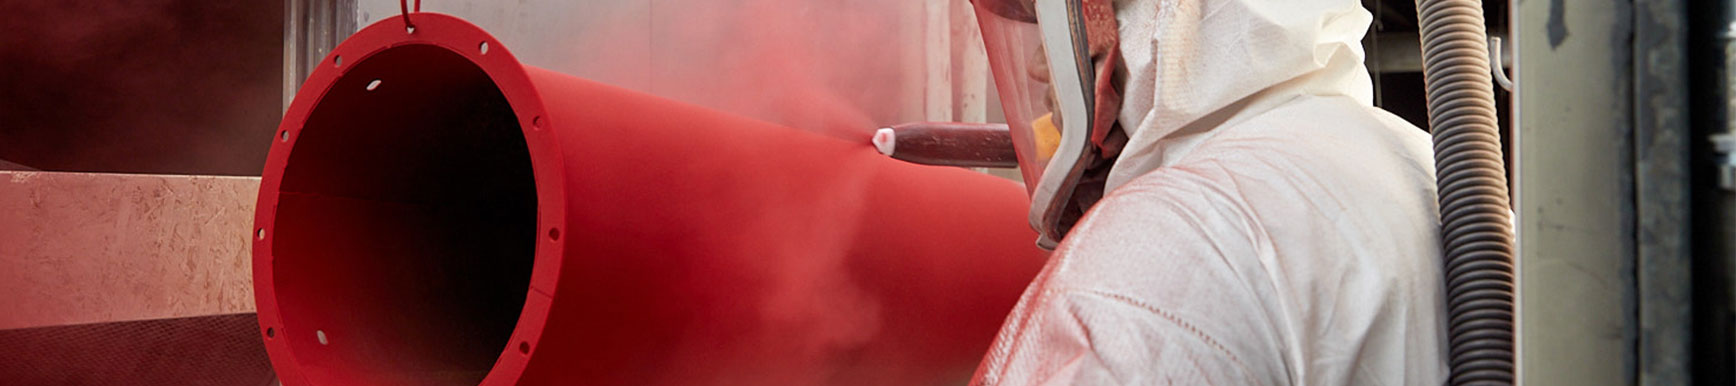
(311, 29)
(1574, 185)
(1604, 192)
(1661, 192)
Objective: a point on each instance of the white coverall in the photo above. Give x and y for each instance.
(1266, 226)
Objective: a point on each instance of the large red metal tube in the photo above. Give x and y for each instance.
(434, 212)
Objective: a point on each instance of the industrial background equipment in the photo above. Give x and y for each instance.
(1614, 132)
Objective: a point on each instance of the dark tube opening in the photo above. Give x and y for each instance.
(406, 224)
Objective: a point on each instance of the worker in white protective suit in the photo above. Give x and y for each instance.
(1264, 224)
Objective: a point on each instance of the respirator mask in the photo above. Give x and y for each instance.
(1054, 63)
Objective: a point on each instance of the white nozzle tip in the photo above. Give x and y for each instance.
(885, 140)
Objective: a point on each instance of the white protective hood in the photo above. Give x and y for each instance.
(1194, 65)
(1266, 225)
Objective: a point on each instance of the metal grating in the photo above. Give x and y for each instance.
(221, 350)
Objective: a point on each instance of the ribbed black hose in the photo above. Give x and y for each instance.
(1476, 232)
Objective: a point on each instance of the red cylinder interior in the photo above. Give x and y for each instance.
(406, 224)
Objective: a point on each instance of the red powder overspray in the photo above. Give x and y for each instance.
(836, 68)
(146, 86)
(840, 68)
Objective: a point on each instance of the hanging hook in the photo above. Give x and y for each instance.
(404, 9)
(1495, 65)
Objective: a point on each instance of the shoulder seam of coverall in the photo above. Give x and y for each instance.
(1160, 313)
(1133, 186)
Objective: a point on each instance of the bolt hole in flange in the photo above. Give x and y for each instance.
(405, 224)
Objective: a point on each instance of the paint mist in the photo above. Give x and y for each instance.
(840, 68)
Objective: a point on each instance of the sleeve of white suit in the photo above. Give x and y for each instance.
(1059, 349)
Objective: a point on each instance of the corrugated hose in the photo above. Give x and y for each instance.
(1476, 227)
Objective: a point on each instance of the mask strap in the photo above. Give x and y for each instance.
(1102, 33)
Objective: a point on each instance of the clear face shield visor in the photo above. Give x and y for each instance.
(1021, 71)
(1043, 76)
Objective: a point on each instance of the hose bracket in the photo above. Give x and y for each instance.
(1725, 146)
(1497, 65)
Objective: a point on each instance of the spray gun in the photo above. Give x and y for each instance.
(987, 145)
